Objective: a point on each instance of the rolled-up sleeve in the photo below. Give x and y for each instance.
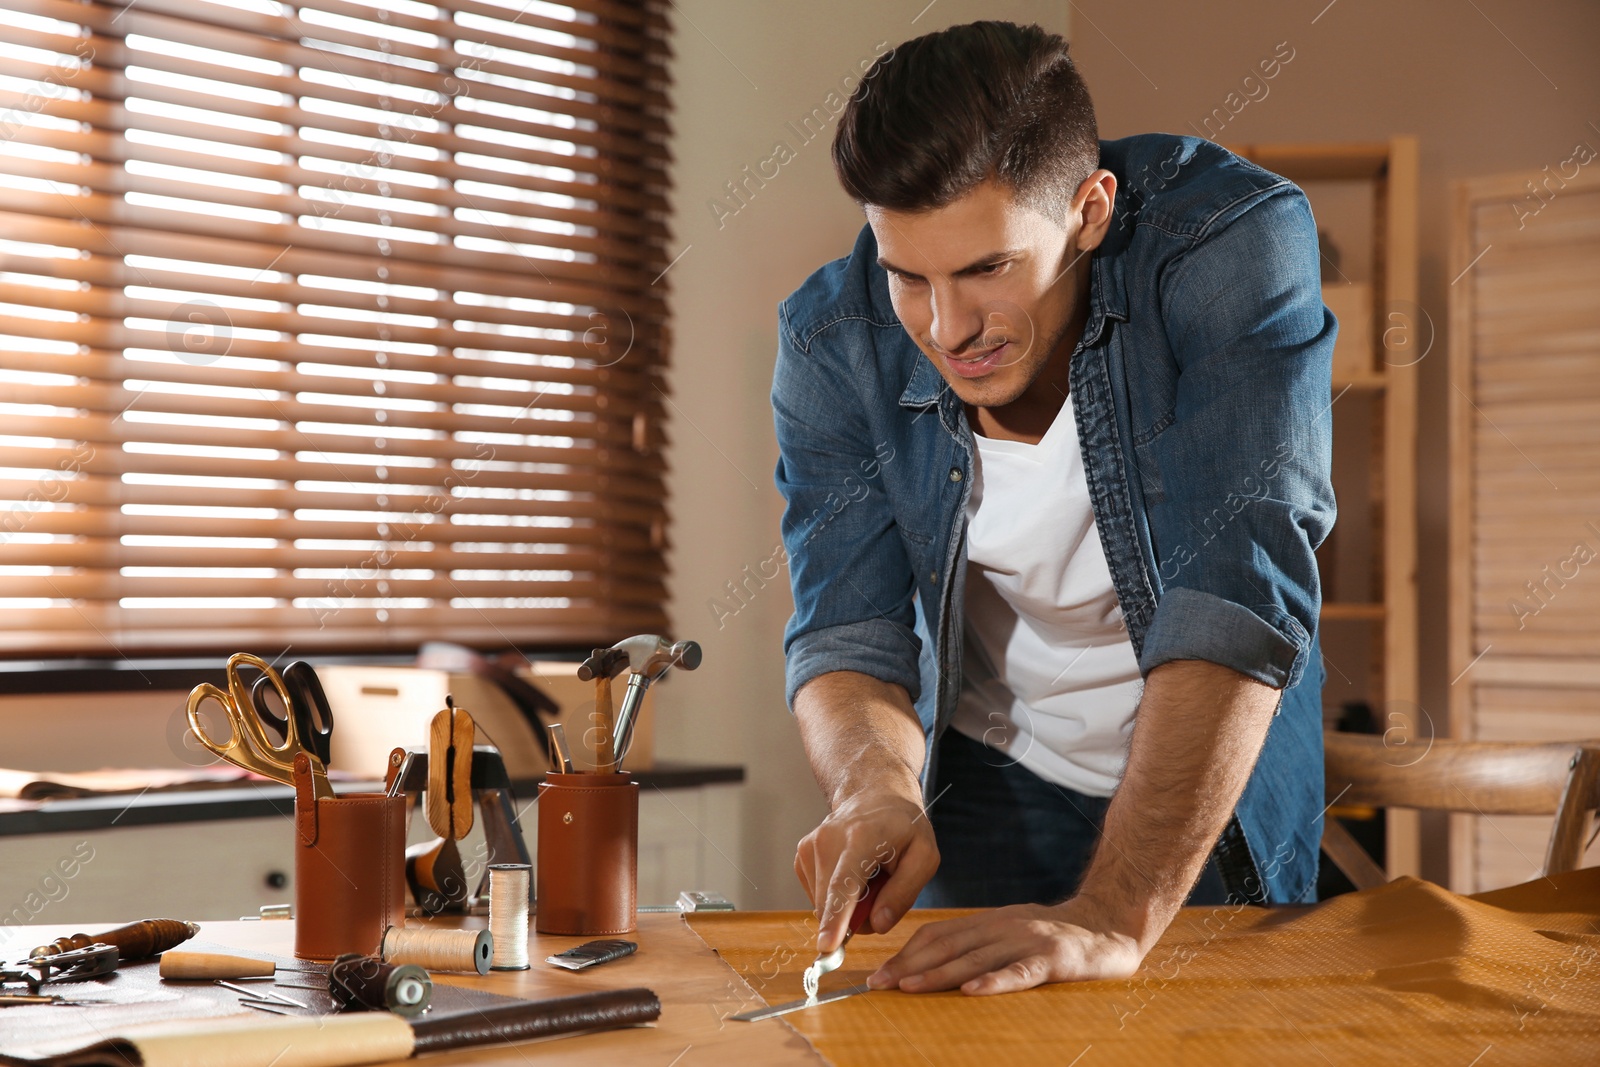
(1246, 461)
(848, 568)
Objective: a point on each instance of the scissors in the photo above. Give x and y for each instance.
(313, 718)
(248, 746)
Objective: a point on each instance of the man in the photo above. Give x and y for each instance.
(1055, 443)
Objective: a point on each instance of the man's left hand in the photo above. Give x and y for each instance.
(1011, 948)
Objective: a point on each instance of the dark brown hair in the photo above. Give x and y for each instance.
(942, 113)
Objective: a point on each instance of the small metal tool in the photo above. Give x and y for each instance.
(757, 1014)
(558, 742)
(859, 917)
(73, 965)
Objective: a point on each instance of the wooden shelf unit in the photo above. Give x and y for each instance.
(1379, 363)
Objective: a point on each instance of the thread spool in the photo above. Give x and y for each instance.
(362, 982)
(508, 914)
(439, 950)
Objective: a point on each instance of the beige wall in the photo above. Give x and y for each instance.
(1483, 97)
(744, 70)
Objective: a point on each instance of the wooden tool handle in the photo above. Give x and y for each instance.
(437, 805)
(604, 723)
(211, 965)
(136, 941)
(449, 804)
(463, 737)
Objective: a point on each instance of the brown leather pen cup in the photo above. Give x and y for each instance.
(588, 854)
(350, 877)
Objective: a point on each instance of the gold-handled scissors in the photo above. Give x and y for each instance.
(249, 746)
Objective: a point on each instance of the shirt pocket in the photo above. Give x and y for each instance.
(1146, 458)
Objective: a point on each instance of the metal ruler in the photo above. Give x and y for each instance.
(757, 1014)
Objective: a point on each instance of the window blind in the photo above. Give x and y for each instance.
(336, 325)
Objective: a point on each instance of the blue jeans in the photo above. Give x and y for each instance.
(1007, 836)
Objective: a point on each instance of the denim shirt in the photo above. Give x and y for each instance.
(1201, 392)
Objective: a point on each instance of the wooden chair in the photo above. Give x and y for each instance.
(1471, 777)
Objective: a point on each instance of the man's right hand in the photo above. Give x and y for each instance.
(866, 746)
(837, 859)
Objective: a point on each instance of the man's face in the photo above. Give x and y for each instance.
(987, 286)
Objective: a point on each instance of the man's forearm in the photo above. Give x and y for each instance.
(1198, 732)
(860, 733)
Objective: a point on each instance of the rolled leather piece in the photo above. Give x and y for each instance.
(538, 1018)
(588, 870)
(350, 884)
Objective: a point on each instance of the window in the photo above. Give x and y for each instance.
(337, 325)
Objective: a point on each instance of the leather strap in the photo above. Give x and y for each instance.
(305, 801)
(539, 1018)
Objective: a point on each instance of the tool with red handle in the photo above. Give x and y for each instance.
(858, 919)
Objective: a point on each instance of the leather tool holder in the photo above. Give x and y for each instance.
(588, 871)
(349, 867)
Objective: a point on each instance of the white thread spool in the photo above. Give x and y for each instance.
(508, 914)
(439, 950)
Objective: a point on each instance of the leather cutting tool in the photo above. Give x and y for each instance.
(308, 705)
(248, 745)
(858, 919)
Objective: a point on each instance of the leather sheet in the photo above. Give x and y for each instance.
(1407, 973)
(135, 997)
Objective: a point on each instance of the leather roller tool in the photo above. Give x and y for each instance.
(858, 919)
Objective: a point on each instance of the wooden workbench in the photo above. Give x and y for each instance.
(1404, 974)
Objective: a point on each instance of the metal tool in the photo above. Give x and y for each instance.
(248, 746)
(650, 656)
(73, 965)
(391, 776)
(859, 917)
(308, 705)
(562, 760)
(757, 1014)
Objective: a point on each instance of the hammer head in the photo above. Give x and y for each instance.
(640, 650)
(602, 663)
(684, 655)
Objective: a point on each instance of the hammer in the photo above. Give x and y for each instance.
(603, 665)
(650, 656)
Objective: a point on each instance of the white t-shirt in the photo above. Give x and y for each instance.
(1050, 677)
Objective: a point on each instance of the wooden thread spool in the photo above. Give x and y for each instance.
(508, 914)
(439, 950)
